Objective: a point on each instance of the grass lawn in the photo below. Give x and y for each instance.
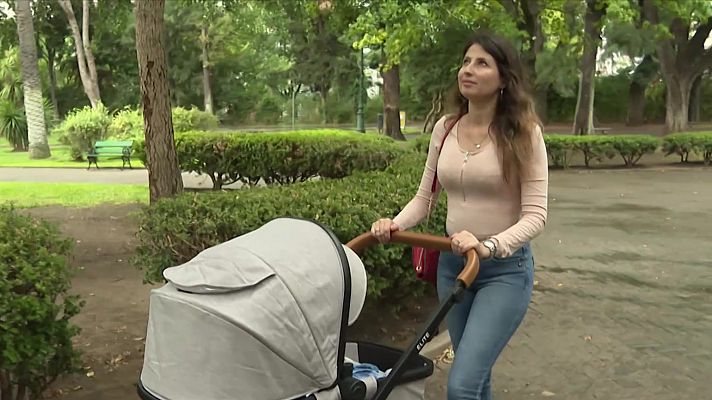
(33, 194)
(60, 158)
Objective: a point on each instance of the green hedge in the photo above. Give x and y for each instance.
(631, 148)
(683, 144)
(35, 307)
(285, 157)
(174, 230)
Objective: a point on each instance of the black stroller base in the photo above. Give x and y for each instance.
(417, 368)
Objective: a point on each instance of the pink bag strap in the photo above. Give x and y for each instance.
(447, 132)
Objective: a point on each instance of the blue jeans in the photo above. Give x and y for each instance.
(488, 315)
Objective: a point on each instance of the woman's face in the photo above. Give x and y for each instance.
(478, 76)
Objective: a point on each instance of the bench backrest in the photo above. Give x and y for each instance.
(113, 143)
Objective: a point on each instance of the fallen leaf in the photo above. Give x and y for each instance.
(547, 393)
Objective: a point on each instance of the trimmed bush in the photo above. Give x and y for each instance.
(35, 308)
(282, 158)
(633, 147)
(683, 144)
(560, 148)
(82, 128)
(173, 231)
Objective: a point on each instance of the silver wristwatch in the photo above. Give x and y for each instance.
(489, 244)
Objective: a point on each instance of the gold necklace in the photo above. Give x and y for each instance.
(477, 145)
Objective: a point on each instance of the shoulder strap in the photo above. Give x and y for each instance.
(447, 132)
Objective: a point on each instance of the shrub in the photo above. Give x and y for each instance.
(594, 148)
(35, 308)
(126, 124)
(285, 157)
(559, 148)
(632, 147)
(13, 125)
(82, 128)
(173, 231)
(705, 147)
(190, 120)
(683, 144)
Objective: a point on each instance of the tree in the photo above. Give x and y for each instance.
(583, 120)
(82, 44)
(682, 29)
(164, 175)
(527, 13)
(31, 83)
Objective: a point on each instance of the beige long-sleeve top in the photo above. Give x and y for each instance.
(478, 198)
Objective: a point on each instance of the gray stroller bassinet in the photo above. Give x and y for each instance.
(263, 317)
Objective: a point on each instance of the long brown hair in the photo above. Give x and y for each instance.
(515, 118)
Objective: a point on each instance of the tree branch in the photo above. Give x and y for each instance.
(511, 8)
(666, 52)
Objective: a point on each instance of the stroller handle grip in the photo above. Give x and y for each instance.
(468, 274)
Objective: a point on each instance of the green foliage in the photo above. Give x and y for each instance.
(193, 119)
(82, 128)
(683, 144)
(126, 124)
(281, 157)
(559, 148)
(35, 306)
(632, 147)
(13, 125)
(174, 230)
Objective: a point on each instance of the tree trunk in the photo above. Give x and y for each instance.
(583, 120)
(436, 110)
(207, 91)
(53, 82)
(85, 58)
(636, 104)
(677, 103)
(31, 84)
(164, 176)
(643, 74)
(322, 98)
(695, 93)
(541, 97)
(391, 103)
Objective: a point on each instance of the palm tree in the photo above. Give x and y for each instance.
(34, 108)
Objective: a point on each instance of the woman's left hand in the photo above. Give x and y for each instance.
(463, 241)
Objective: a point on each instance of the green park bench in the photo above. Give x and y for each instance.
(111, 149)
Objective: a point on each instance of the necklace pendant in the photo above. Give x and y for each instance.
(477, 146)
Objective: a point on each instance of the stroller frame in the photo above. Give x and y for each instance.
(410, 366)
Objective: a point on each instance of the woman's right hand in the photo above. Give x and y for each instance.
(382, 229)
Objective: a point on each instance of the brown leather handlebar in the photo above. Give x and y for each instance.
(468, 274)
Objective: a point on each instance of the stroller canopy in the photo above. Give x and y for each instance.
(260, 316)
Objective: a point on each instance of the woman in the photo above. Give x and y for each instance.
(493, 167)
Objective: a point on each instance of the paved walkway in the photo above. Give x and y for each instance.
(622, 307)
(104, 175)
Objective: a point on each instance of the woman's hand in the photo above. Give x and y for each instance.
(382, 229)
(463, 241)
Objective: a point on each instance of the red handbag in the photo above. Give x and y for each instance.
(425, 261)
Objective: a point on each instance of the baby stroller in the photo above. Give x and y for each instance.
(263, 317)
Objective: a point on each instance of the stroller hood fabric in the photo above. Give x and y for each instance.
(260, 316)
